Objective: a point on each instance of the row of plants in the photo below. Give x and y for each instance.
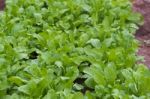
(70, 49)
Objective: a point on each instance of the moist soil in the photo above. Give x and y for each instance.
(143, 34)
(144, 48)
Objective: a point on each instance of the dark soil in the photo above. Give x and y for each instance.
(144, 49)
(143, 34)
(2, 4)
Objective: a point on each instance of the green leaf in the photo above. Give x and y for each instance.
(78, 95)
(94, 42)
(97, 74)
(110, 73)
(28, 88)
(1, 47)
(17, 80)
(50, 95)
(77, 87)
(90, 82)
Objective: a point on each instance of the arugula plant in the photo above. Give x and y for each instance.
(70, 49)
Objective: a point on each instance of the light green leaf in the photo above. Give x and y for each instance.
(1, 47)
(17, 80)
(97, 74)
(94, 42)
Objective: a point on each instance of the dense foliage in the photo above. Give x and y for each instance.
(70, 49)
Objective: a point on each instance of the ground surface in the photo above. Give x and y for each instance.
(143, 34)
(144, 49)
(2, 4)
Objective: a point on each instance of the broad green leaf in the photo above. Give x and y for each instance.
(97, 74)
(28, 88)
(78, 95)
(94, 42)
(110, 73)
(17, 80)
(50, 95)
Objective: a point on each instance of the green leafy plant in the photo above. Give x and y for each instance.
(70, 49)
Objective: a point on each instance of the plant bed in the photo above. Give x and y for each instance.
(70, 49)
